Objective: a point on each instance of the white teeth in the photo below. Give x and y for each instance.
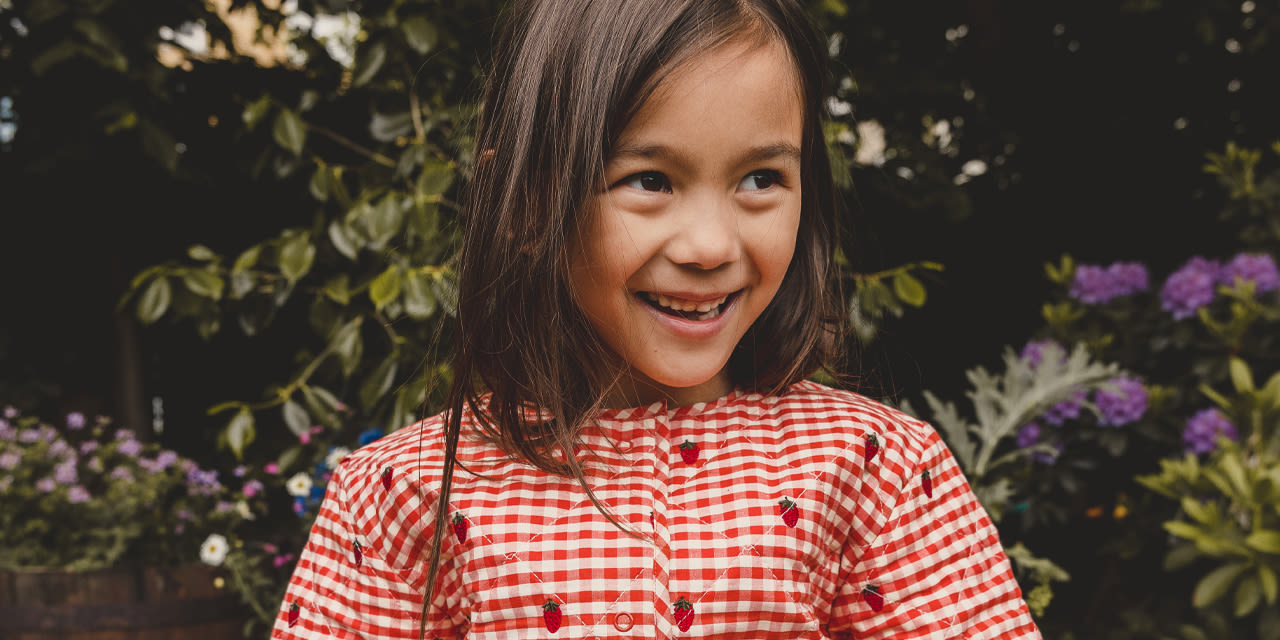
(686, 305)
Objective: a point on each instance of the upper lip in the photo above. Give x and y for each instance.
(686, 296)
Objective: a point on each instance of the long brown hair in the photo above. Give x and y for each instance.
(566, 79)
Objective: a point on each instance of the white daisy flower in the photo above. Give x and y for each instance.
(299, 485)
(335, 456)
(214, 550)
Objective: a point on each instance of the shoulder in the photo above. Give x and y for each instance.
(408, 451)
(822, 407)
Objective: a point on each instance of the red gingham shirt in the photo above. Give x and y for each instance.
(759, 517)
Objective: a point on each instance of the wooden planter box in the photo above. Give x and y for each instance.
(139, 604)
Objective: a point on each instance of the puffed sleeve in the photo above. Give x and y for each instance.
(362, 572)
(935, 569)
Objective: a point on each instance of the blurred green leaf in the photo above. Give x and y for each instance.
(1267, 580)
(435, 179)
(1248, 596)
(1216, 583)
(338, 289)
(1241, 377)
(201, 253)
(343, 239)
(369, 60)
(1265, 541)
(379, 381)
(296, 256)
(240, 431)
(254, 112)
(296, 418)
(420, 34)
(349, 346)
(289, 131)
(319, 184)
(419, 301)
(203, 283)
(908, 289)
(247, 258)
(386, 287)
(154, 301)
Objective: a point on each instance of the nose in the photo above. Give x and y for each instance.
(705, 235)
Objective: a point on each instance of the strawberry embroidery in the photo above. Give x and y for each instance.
(870, 448)
(927, 482)
(689, 452)
(789, 511)
(871, 594)
(356, 555)
(386, 478)
(460, 527)
(551, 615)
(684, 614)
(294, 612)
(651, 518)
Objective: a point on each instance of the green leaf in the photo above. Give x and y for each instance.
(296, 256)
(1236, 474)
(1248, 595)
(322, 405)
(247, 259)
(338, 289)
(296, 418)
(1216, 584)
(908, 289)
(1184, 530)
(1206, 514)
(289, 131)
(369, 60)
(344, 239)
(154, 301)
(203, 283)
(419, 302)
(420, 34)
(435, 179)
(1267, 580)
(385, 287)
(288, 457)
(1241, 377)
(349, 346)
(384, 220)
(445, 288)
(255, 111)
(201, 253)
(379, 382)
(319, 185)
(240, 431)
(1264, 540)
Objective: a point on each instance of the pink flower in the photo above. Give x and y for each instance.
(305, 437)
(271, 468)
(281, 560)
(317, 430)
(269, 548)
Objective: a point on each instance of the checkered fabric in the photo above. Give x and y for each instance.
(762, 517)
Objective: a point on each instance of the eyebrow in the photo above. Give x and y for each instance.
(754, 154)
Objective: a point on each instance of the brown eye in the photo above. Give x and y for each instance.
(648, 181)
(760, 180)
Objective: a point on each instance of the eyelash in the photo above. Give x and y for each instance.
(773, 176)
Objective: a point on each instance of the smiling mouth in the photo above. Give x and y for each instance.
(686, 309)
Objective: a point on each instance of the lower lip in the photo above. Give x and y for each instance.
(685, 328)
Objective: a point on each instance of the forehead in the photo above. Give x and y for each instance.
(746, 84)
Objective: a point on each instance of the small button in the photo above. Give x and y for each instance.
(623, 622)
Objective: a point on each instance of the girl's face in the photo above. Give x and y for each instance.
(696, 224)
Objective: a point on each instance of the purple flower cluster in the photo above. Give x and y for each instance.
(65, 473)
(1194, 284)
(1097, 285)
(1190, 287)
(78, 494)
(1204, 429)
(75, 420)
(1125, 404)
(1257, 267)
(9, 460)
(203, 483)
(130, 447)
(1068, 409)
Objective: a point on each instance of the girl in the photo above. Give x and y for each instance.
(647, 280)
